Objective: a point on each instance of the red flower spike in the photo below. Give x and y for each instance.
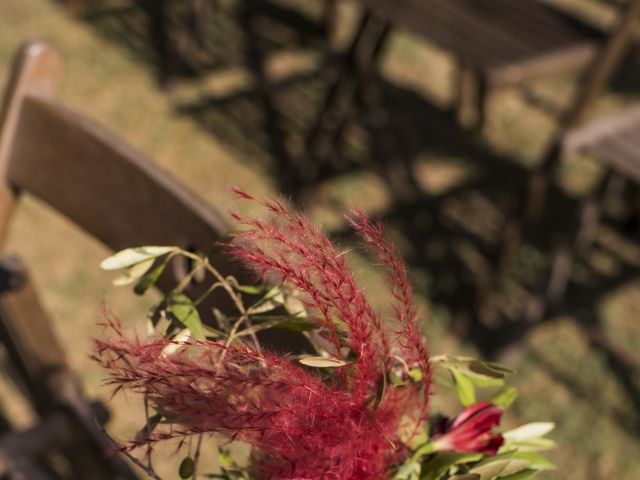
(301, 425)
(471, 431)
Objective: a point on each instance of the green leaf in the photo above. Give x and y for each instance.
(521, 475)
(505, 397)
(440, 463)
(415, 374)
(533, 445)
(149, 279)
(494, 468)
(464, 388)
(529, 431)
(150, 426)
(225, 459)
(417, 441)
(322, 362)
(408, 471)
(465, 476)
(536, 462)
(295, 306)
(187, 466)
(395, 380)
(425, 449)
(185, 312)
(495, 366)
(133, 273)
(381, 388)
(252, 289)
(472, 366)
(484, 382)
(292, 323)
(178, 340)
(131, 256)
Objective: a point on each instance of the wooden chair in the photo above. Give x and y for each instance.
(496, 43)
(614, 141)
(115, 194)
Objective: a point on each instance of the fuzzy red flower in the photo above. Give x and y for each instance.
(471, 431)
(302, 425)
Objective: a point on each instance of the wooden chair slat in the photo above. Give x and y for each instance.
(112, 191)
(487, 34)
(101, 184)
(619, 156)
(26, 329)
(118, 196)
(457, 41)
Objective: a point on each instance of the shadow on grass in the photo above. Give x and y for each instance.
(450, 236)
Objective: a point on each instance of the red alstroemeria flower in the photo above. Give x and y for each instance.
(471, 431)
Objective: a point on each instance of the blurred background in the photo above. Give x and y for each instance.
(434, 116)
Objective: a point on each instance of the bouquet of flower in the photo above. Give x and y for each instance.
(355, 408)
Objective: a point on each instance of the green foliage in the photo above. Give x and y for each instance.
(278, 307)
(322, 362)
(184, 311)
(187, 467)
(464, 387)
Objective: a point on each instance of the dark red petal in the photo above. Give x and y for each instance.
(473, 410)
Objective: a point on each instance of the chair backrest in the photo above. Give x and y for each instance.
(105, 187)
(89, 175)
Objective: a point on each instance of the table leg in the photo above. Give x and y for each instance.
(471, 96)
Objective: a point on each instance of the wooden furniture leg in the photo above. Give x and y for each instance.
(469, 104)
(356, 69)
(157, 24)
(531, 202)
(25, 330)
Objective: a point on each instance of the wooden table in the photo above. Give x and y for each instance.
(496, 43)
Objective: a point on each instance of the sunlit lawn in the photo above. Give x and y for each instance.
(559, 377)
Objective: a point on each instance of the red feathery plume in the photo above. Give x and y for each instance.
(302, 425)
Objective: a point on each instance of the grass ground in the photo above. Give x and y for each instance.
(560, 377)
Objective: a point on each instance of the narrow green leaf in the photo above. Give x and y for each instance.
(408, 471)
(425, 449)
(131, 256)
(415, 374)
(521, 475)
(536, 462)
(484, 369)
(482, 374)
(533, 445)
(515, 465)
(291, 323)
(150, 426)
(133, 273)
(323, 362)
(225, 459)
(395, 380)
(465, 476)
(529, 431)
(491, 469)
(381, 388)
(294, 306)
(483, 381)
(505, 397)
(149, 279)
(252, 289)
(464, 388)
(498, 367)
(185, 312)
(187, 466)
(181, 337)
(441, 462)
